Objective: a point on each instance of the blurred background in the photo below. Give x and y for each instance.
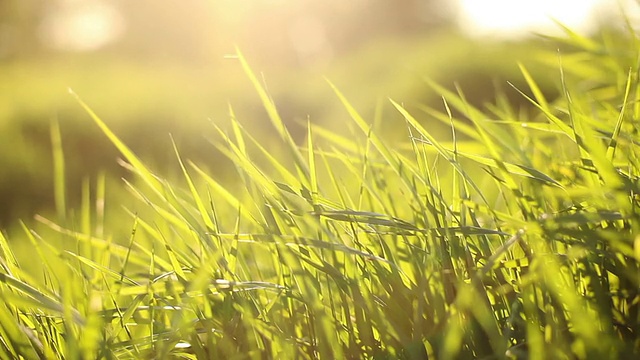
(154, 68)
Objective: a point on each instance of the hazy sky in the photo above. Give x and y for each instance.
(512, 18)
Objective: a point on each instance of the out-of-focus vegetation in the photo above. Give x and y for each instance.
(167, 70)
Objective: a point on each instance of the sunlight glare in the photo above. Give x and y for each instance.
(81, 26)
(515, 18)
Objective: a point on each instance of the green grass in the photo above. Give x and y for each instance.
(168, 97)
(517, 236)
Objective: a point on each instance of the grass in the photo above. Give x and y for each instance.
(516, 237)
(152, 106)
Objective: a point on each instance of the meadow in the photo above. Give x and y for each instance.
(515, 233)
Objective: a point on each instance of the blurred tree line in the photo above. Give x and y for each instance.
(191, 31)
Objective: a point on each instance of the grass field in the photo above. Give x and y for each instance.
(516, 236)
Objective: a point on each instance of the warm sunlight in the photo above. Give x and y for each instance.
(319, 179)
(91, 24)
(515, 18)
(81, 26)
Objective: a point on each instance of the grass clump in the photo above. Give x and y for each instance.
(518, 236)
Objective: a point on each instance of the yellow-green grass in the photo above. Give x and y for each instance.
(515, 236)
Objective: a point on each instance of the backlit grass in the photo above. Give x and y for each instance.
(516, 236)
